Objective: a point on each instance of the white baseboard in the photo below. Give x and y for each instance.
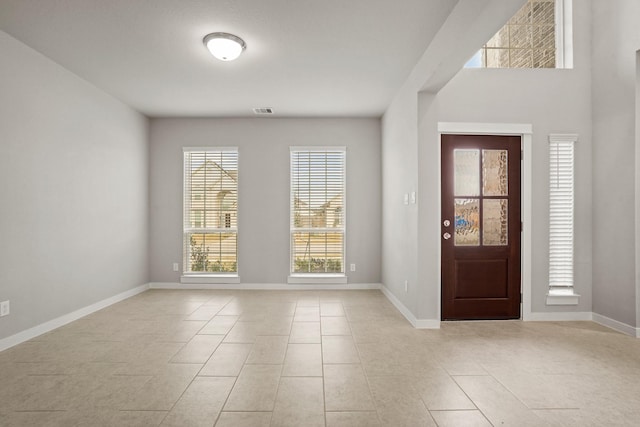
(616, 325)
(264, 286)
(417, 323)
(427, 324)
(35, 331)
(560, 316)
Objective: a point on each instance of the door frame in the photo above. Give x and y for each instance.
(525, 131)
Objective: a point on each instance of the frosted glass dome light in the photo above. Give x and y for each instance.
(224, 46)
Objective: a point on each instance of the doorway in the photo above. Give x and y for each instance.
(481, 227)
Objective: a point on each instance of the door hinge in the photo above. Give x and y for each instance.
(521, 154)
(521, 226)
(520, 297)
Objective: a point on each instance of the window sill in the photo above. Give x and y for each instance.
(210, 278)
(317, 279)
(562, 297)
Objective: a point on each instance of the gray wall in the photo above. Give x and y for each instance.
(73, 185)
(553, 101)
(409, 231)
(263, 218)
(637, 190)
(400, 221)
(615, 41)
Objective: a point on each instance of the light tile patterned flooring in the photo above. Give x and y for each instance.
(314, 358)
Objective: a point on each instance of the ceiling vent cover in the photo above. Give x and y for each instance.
(264, 110)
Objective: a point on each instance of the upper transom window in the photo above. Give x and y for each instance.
(533, 38)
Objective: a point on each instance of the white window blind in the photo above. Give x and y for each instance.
(317, 210)
(561, 212)
(210, 211)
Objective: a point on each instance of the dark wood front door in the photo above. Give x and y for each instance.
(481, 226)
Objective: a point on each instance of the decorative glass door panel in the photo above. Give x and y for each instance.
(467, 222)
(483, 219)
(467, 172)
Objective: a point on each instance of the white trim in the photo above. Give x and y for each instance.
(564, 34)
(437, 230)
(315, 148)
(564, 137)
(526, 213)
(524, 130)
(426, 324)
(560, 316)
(485, 128)
(616, 325)
(417, 323)
(637, 191)
(265, 286)
(209, 148)
(221, 278)
(317, 279)
(559, 30)
(562, 298)
(43, 328)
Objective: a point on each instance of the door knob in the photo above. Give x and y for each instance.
(446, 223)
(446, 236)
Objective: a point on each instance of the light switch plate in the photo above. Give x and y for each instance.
(5, 308)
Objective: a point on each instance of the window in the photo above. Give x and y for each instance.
(210, 211)
(536, 37)
(561, 207)
(317, 210)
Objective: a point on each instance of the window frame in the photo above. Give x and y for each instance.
(207, 276)
(317, 278)
(562, 211)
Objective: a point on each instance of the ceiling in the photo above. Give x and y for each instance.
(329, 58)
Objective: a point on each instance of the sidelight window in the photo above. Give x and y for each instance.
(561, 219)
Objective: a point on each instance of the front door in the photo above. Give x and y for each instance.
(480, 227)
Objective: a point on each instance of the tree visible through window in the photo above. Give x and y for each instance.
(210, 210)
(317, 210)
(529, 40)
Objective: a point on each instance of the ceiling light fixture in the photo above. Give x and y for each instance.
(224, 46)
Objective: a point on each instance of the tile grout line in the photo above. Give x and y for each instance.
(201, 368)
(324, 391)
(364, 372)
(236, 377)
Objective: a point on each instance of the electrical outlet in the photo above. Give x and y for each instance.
(406, 286)
(176, 266)
(353, 267)
(5, 308)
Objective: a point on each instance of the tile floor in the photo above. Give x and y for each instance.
(314, 358)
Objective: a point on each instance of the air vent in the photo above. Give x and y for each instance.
(265, 110)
